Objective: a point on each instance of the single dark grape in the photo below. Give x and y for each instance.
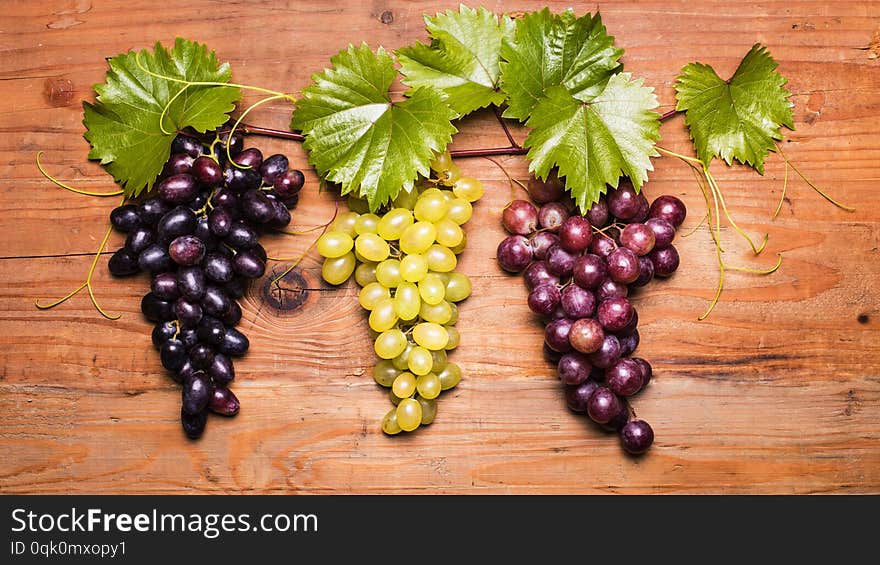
(272, 166)
(544, 191)
(668, 208)
(241, 236)
(215, 302)
(542, 242)
(125, 218)
(642, 211)
(234, 343)
(628, 343)
(609, 288)
(189, 337)
(574, 368)
(221, 369)
(624, 378)
(220, 221)
(664, 232)
(224, 402)
(631, 326)
(619, 420)
(151, 210)
(559, 261)
(552, 215)
(250, 157)
(575, 234)
(164, 286)
(291, 201)
(123, 263)
(188, 313)
(172, 354)
(197, 392)
(577, 302)
(537, 274)
(556, 335)
(233, 145)
(520, 217)
(280, 216)
(514, 253)
(598, 214)
(187, 250)
(191, 283)
(665, 261)
(176, 164)
(636, 436)
(586, 335)
(638, 238)
(236, 287)
(577, 397)
(186, 371)
(211, 330)
(162, 332)
(589, 271)
(248, 264)
(178, 189)
(645, 369)
(225, 198)
(242, 180)
(623, 265)
(193, 424)
(623, 202)
(614, 313)
(646, 272)
(155, 309)
(256, 206)
(544, 299)
(218, 268)
(260, 251)
(201, 355)
(155, 259)
(203, 232)
(206, 171)
(602, 246)
(603, 405)
(607, 354)
(186, 144)
(232, 317)
(177, 222)
(289, 183)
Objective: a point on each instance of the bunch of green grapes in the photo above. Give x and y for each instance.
(404, 261)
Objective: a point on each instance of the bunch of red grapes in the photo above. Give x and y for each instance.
(580, 271)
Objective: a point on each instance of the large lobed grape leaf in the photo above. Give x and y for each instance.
(462, 59)
(594, 143)
(123, 125)
(739, 118)
(357, 137)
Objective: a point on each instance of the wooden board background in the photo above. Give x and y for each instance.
(777, 392)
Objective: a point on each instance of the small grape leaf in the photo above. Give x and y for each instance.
(740, 118)
(123, 125)
(594, 143)
(549, 50)
(462, 59)
(357, 137)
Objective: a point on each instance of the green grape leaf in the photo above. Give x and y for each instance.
(594, 143)
(462, 59)
(549, 50)
(123, 125)
(740, 118)
(357, 137)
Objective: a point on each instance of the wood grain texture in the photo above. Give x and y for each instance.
(777, 392)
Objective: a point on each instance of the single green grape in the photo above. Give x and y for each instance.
(429, 410)
(404, 385)
(372, 247)
(431, 336)
(395, 400)
(366, 223)
(454, 338)
(365, 273)
(431, 207)
(460, 210)
(413, 268)
(417, 238)
(428, 386)
(334, 244)
(440, 258)
(449, 376)
(420, 361)
(431, 289)
(384, 373)
(389, 423)
(400, 362)
(393, 223)
(406, 199)
(344, 223)
(336, 271)
(406, 301)
(383, 317)
(409, 414)
(359, 205)
(388, 273)
(449, 233)
(453, 316)
(390, 344)
(438, 313)
(460, 247)
(373, 294)
(439, 360)
(458, 287)
(441, 162)
(469, 188)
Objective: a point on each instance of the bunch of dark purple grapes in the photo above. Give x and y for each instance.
(580, 271)
(198, 238)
